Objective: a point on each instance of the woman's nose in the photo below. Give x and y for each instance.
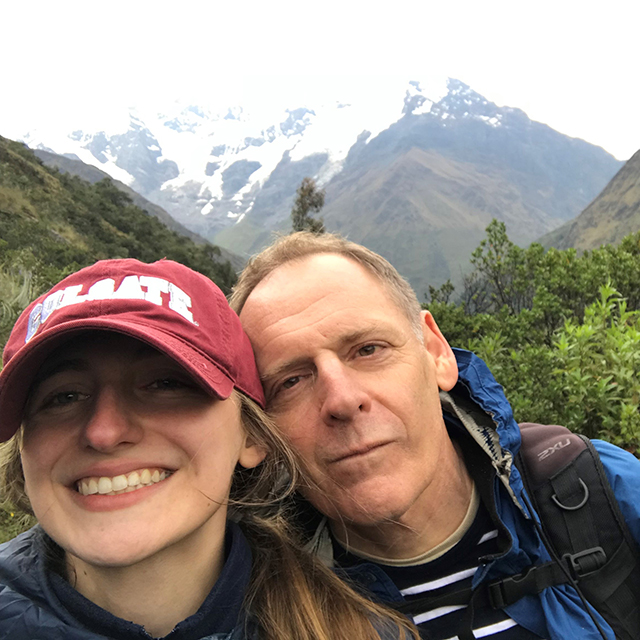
(111, 422)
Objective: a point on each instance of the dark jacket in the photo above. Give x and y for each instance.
(32, 596)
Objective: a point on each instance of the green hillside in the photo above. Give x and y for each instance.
(609, 218)
(93, 174)
(52, 224)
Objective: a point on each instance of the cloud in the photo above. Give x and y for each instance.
(570, 64)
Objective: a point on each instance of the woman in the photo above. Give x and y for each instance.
(131, 405)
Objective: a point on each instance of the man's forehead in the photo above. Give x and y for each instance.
(325, 293)
(296, 276)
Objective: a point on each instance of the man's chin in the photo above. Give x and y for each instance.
(358, 510)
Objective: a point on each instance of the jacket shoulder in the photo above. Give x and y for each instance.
(623, 472)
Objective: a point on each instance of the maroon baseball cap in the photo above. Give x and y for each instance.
(177, 311)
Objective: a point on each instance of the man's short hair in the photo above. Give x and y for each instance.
(302, 244)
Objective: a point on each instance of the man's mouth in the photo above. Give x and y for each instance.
(360, 451)
(123, 483)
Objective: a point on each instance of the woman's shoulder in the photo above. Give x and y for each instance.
(21, 554)
(24, 605)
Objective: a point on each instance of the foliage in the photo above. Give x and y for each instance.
(309, 200)
(58, 223)
(559, 331)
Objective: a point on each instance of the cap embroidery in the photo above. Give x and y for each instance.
(131, 288)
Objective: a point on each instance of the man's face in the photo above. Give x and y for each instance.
(352, 386)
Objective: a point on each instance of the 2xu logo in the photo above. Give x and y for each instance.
(131, 288)
(551, 450)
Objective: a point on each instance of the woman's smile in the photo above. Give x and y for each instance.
(124, 453)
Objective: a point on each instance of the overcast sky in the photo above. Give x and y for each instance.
(571, 64)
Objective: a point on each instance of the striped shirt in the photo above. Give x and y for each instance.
(446, 574)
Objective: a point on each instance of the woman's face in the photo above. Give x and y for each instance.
(124, 455)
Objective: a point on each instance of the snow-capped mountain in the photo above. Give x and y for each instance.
(415, 171)
(197, 162)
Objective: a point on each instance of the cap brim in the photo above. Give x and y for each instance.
(16, 378)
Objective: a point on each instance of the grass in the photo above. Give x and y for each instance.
(13, 522)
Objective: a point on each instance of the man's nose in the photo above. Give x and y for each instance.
(110, 423)
(342, 395)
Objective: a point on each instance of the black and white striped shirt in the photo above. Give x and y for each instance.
(445, 574)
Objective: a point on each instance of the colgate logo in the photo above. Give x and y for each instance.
(556, 447)
(131, 288)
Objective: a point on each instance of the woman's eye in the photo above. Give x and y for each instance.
(63, 398)
(167, 384)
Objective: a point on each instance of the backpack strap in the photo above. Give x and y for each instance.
(565, 480)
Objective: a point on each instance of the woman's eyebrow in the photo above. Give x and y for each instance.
(147, 351)
(70, 364)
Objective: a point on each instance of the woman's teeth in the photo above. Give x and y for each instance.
(121, 484)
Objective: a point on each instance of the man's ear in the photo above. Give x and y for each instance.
(251, 454)
(436, 344)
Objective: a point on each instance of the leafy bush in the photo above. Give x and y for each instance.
(560, 331)
(587, 380)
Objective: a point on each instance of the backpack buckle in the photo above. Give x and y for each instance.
(585, 562)
(506, 591)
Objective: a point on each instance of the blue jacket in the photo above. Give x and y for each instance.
(557, 612)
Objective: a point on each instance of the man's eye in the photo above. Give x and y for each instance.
(368, 350)
(290, 382)
(287, 384)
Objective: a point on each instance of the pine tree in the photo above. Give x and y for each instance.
(309, 199)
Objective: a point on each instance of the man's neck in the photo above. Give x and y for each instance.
(158, 592)
(433, 518)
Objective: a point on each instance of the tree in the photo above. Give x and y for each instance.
(310, 199)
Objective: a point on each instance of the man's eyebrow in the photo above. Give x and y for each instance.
(357, 336)
(294, 363)
(289, 365)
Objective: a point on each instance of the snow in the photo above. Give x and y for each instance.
(425, 107)
(334, 126)
(494, 121)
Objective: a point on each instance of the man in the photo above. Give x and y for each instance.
(407, 445)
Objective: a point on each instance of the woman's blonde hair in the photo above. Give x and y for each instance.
(291, 596)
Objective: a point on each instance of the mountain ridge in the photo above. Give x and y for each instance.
(53, 223)
(237, 176)
(92, 174)
(611, 216)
